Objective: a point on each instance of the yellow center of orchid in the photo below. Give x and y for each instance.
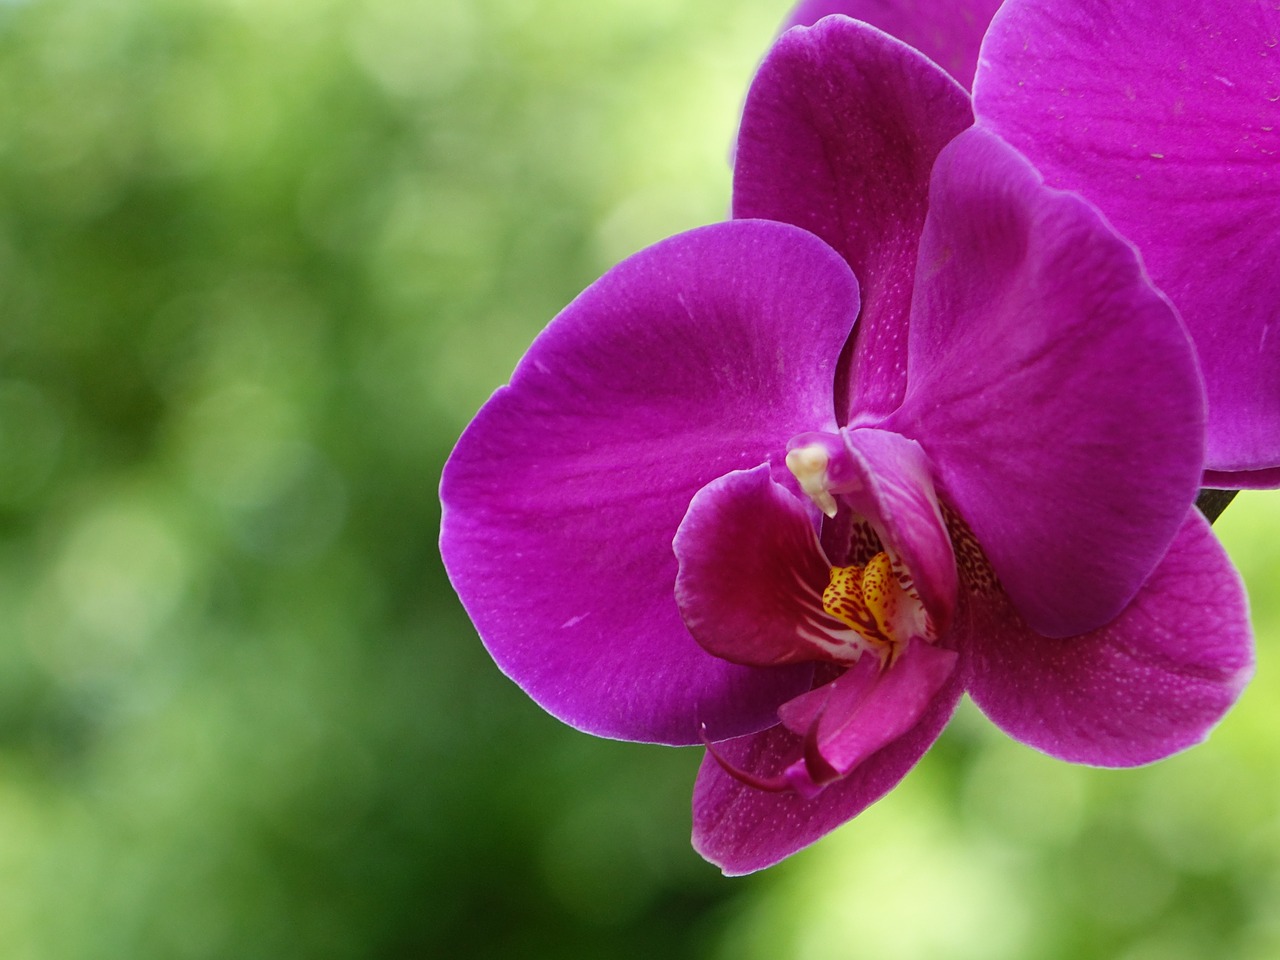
(877, 605)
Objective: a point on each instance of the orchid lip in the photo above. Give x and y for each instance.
(881, 615)
(756, 586)
(879, 603)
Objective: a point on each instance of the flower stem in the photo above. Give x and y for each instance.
(1212, 502)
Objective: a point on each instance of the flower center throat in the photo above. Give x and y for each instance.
(869, 600)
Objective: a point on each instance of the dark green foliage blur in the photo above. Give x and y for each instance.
(259, 264)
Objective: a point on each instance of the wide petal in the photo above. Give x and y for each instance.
(948, 32)
(840, 129)
(742, 829)
(695, 357)
(1153, 682)
(1051, 386)
(1166, 115)
(751, 576)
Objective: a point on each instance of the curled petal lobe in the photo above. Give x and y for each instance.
(1166, 116)
(692, 359)
(1152, 682)
(1052, 387)
(861, 711)
(751, 575)
(742, 829)
(840, 129)
(948, 32)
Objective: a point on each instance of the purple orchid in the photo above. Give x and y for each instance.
(789, 485)
(1166, 116)
(949, 32)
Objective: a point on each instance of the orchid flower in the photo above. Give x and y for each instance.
(912, 424)
(949, 32)
(1166, 117)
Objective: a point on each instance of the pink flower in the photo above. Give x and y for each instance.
(913, 424)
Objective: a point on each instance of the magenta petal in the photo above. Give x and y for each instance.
(840, 129)
(1242, 480)
(752, 574)
(698, 356)
(948, 32)
(1151, 683)
(1053, 389)
(1167, 117)
(741, 829)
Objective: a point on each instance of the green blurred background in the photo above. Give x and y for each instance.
(260, 261)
